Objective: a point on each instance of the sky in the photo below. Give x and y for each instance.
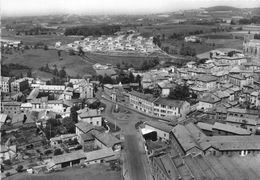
(44, 7)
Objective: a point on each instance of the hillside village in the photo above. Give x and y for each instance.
(191, 116)
(121, 43)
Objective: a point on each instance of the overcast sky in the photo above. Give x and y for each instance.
(41, 7)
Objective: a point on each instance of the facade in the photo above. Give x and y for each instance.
(206, 82)
(240, 81)
(11, 108)
(49, 88)
(166, 107)
(142, 102)
(252, 48)
(86, 89)
(5, 84)
(19, 85)
(208, 101)
(247, 119)
(163, 130)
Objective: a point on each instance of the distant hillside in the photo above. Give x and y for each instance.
(221, 8)
(256, 11)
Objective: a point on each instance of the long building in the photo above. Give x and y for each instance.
(161, 107)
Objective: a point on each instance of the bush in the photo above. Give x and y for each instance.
(19, 168)
(7, 162)
(48, 152)
(7, 174)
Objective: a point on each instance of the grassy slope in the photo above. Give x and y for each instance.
(36, 58)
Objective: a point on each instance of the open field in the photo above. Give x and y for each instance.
(33, 39)
(35, 58)
(107, 59)
(95, 172)
(169, 29)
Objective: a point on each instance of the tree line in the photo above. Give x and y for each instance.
(92, 30)
(60, 73)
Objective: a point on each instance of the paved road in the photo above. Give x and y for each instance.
(135, 160)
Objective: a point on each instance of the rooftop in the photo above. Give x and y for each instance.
(159, 125)
(147, 97)
(169, 102)
(230, 128)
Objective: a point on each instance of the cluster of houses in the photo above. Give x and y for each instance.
(180, 151)
(119, 43)
(98, 144)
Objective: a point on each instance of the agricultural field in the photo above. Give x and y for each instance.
(35, 58)
(94, 172)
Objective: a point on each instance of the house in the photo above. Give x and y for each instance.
(19, 85)
(206, 81)
(100, 156)
(86, 89)
(107, 140)
(5, 84)
(207, 101)
(59, 89)
(56, 106)
(56, 141)
(11, 108)
(171, 108)
(7, 152)
(255, 98)
(142, 102)
(33, 94)
(162, 130)
(247, 119)
(83, 128)
(252, 48)
(68, 159)
(91, 116)
(240, 80)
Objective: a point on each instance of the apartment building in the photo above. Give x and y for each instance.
(142, 102)
(168, 107)
(5, 84)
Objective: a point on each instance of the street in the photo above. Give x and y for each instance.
(135, 159)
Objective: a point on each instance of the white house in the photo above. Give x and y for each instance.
(91, 116)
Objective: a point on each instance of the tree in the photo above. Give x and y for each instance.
(62, 73)
(69, 124)
(71, 52)
(45, 47)
(59, 53)
(57, 152)
(156, 92)
(74, 114)
(81, 52)
(118, 65)
(180, 92)
(55, 71)
(131, 77)
(19, 168)
(29, 73)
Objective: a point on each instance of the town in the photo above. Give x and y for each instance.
(131, 105)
